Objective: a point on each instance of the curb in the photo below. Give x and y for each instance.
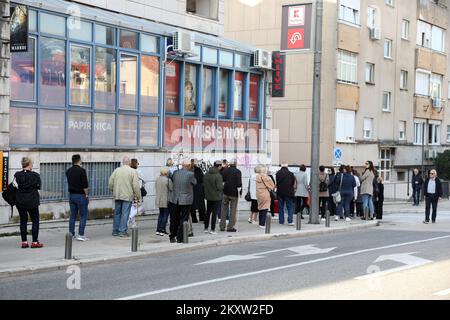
(62, 264)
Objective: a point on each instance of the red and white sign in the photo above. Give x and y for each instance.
(296, 38)
(296, 16)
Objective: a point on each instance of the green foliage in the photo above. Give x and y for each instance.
(442, 164)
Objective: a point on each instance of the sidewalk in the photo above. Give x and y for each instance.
(102, 247)
(407, 207)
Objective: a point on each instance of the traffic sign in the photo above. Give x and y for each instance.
(337, 154)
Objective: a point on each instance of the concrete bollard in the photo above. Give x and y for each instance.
(268, 222)
(299, 221)
(134, 239)
(68, 248)
(186, 232)
(327, 219)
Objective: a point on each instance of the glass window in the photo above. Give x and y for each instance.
(223, 92)
(253, 136)
(418, 132)
(387, 48)
(402, 130)
(370, 72)
(105, 35)
(422, 83)
(51, 127)
(172, 87)
(345, 125)
(149, 84)
(386, 101)
(22, 126)
(173, 132)
(226, 134)
(437, 39)
(80, 30)
(423, 34)
(253, 103)
(208, 92)
(129, 39)
(436, 86)
(23, 70)
(80, 75)
(148, 131)
(104, 129)
(149, 43)
(403, 79)
(368, 124)
(79, 128)
(190, 89)
(238, 95)
(127, 132)
(209, 55)
(52, 24)
(347, 67)
(226, 58)
(448, 133)
(196, 57)
(128, 81)
(53, 72)
(32, 21)
(105, 78)
(242, 61)
(349, 14)
(405, 29)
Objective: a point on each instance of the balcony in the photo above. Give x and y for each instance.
(347, 96)
(434, 13)
(348, 38)
(433, 61)
(427, 108)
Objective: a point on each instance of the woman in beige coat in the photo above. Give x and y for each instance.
(367, 189)
(263, 185)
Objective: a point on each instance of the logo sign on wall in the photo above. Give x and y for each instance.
(279, 65)
(19, 28)
(4, 167)
(296, 27)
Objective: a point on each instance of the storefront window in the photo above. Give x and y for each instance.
(253, 136)
(105, 35)
(208, 92)
(79, 128)
(149, 43)
(148, 131)
(52, 24)
(80, 30)
(149, 84)
(226, 58)
(190, 89)
(51, 127)
(104, 129)
(32, 21)
(209, 135)
(23, 70)
(172, 87)
(22, 126)
(192, 135)
(209, 55)
(240, 135)
(128, 81)
(238, 95)
(173, 132)
(223, 92)
(242, 61)
(129, 39)
(254, 96)
(105, 78)
(225, 136)
(80, 75)
(197, 52)
(127, 133)
(52, 77)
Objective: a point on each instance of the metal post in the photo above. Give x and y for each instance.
(366, 213)
(268, 222)
(68, 249)
(299, 221)
(186, 232)
(315, 129)
(134, 239)
(327, 219)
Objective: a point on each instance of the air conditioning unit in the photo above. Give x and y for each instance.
(375, 34)
(262, 59)
(437, 103)
(182, 42)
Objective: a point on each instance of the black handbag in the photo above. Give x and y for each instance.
(9, 195)
(273, 194)
(143, 191)
(248, 196)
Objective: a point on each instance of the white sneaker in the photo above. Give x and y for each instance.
(206, 231)
(291, 224)
(82, 238)
(158, 233)
(348, 219)
(323, 219)
(212, 232)
(336, 218)
(262, 227)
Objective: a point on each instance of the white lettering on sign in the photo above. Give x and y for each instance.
(296, 16)
(79, 125)
(102, 126)
(202, 131)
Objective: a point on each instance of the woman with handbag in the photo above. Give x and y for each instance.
(346, 190)
(251, 196)
(264, 192)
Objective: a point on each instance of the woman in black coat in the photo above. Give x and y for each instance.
(378, 196)
(27, 201)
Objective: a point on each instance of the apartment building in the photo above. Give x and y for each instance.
(385, 87)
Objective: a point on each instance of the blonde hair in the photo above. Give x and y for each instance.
(164, 171)
(26, 161)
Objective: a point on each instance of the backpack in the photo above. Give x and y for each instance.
(323, 186)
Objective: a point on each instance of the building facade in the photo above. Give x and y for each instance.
(102, 78)
(385, 86)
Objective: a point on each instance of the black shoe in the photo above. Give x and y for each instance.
(426, 222)
(222, 230)
(173, 240)
(179, 241)
(191, 234)
(231, 230)
(434, 221)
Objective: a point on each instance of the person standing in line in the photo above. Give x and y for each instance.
(416, 183)
(78, 196)
(124, 182)
(263, 187)
(183, 189)
(367, 180)
(213, 185)
(199, 194)
(378, 195)
(285, 193)
(433, 192)
(272, 199)
(163, 189)
(332, 188)
(232, 178)
(358, 196)
(172, 167)
(347, 185)
(302, 192)
(323, 191)
(27, 201)
(354, 204)
(254, 202)
(137, 206)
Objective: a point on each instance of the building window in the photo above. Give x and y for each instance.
(128, 81)
(104, 129)
(241, 61)
(405, 29)
(52, 24)
(129, 39)
(208, 9)
(434, 133)
(368, 127)
(238, 95)
(349, 11)
(385, 164)
(51, 127)
(403, 80)
(32, 21)
(23, 73)
(105, 35)
(148, 132)
(371, 17)
(127, 130)
(423, 34)
(190, 89)
(345, 125)
(149, 43)
(437, 39)
(208, 92)
(389, 2)
(253, 103)
(80, 75)
(53, 72)
(105, 78)
(149, 84)
(173, 87)
(224, 88)
(347, 67)
(388, 48)
(436, 86)
(226, 58)
(423, 83)
(79, 128)
(209, 55)
(370, 73)
(448, 133)
(80, 30)
(402, 130)
(401, 176)
(386, 101)
(22, 126)
(418, 132)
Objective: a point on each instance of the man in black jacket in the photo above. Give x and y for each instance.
(432, 192)
(232, 178)
(286, 193)
(417, 183)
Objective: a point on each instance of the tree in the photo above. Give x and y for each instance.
(442, 164)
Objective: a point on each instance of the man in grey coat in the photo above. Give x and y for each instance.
(183, 196)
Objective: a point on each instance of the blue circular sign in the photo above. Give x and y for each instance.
(337, 154)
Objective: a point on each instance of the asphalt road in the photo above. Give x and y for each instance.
(389, 262)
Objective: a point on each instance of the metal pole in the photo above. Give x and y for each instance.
(268, 222)
(315, 130)
(327, 219)
(68, 248)
(134, 239)
(186, 232)
(299, 221)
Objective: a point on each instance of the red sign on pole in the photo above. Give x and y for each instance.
(279, 65)
(296, 27)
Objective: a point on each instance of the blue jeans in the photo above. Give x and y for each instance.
(416, 195)
(368, 203)
(346, 199)
(162, 219)
(78, 203)
(121, 216)
(290, 209)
